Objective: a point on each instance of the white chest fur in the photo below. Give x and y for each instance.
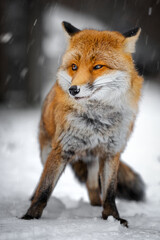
(97, 124)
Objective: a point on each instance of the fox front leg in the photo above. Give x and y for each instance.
(52, 170)
(108, 175)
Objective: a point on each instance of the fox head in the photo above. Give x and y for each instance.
(97, 64)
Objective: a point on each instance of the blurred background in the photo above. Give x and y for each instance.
(32, 40)
(32, 43)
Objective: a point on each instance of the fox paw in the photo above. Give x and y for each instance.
(29, 216)
(121, 220)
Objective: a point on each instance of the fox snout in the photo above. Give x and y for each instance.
(74, 90)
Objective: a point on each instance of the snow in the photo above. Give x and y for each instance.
(149, 11)
(23, 72)
(5, 38)
(68, 214)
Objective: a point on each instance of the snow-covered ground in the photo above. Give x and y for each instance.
(68, 214)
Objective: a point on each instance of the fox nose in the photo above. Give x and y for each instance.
(74, 90)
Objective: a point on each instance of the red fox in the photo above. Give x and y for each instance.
(88, 117)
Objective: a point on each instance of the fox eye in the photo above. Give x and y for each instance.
(74, 67)
(97, 67)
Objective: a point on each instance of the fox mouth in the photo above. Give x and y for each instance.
(86, 97)
(78, 98)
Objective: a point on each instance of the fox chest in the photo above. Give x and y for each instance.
(88, 130)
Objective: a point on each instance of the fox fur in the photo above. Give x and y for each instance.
(88, 117)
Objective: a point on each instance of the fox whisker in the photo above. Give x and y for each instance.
(64, 77)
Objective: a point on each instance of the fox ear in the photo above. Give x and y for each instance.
(69, 28)
(131, 38)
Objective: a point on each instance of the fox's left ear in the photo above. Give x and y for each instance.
(131, 38)
(69, 29)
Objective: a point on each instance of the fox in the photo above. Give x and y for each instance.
(88, 117)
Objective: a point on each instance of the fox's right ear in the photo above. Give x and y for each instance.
(69, 29)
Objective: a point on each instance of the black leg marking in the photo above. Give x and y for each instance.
(38, 206)
(110, 208)
(43, 198)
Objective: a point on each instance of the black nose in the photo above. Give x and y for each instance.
(74, 90)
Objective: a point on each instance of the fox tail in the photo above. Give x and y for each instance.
(130, 185)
